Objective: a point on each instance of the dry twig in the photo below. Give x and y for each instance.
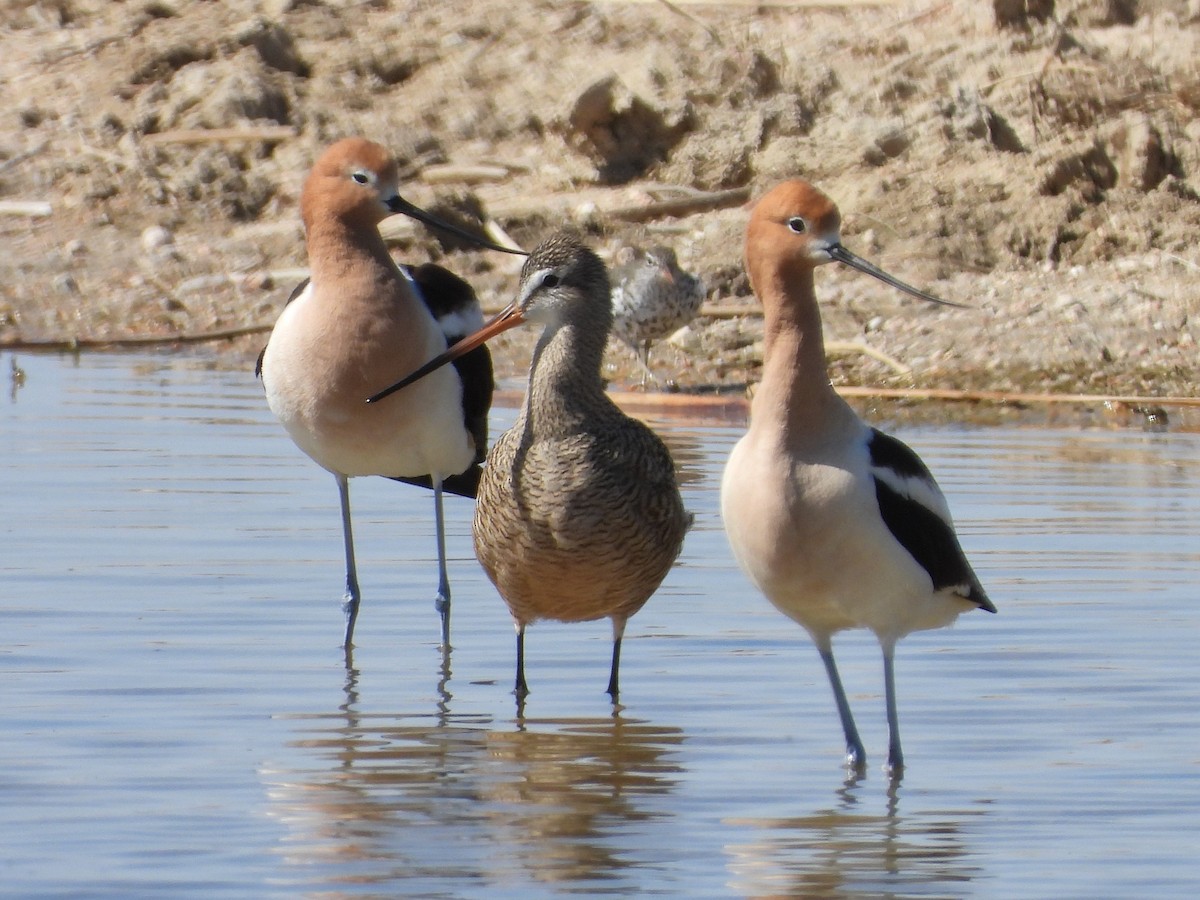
(264, 133)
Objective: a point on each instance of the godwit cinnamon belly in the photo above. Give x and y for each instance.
(838, 524)
(652, 297)
(579, 514)
(359, 322)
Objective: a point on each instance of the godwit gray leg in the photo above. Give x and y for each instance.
(614, 688)
(521, 689)
(351, 600)
(856, 754)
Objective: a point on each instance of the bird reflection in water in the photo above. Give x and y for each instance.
(433, 799)
(846, 850)
(572, 792)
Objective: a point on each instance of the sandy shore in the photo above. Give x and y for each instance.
(1042, 171)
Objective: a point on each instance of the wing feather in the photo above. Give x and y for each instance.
(915, 511)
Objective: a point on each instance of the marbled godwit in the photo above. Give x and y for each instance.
(579, 514)
(359, 322)
(838, 524)
(652, 297)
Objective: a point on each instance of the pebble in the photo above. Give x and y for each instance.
(155, 237)
(65, 283)
(258, 281)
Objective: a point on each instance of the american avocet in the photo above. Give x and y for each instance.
(838, 524)
(579, 514)
(359, 322)
(652, 297)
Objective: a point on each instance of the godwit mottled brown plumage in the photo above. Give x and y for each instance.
(358, 323)
(579, 514)
(838, 524)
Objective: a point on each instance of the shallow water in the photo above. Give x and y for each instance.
(177, 718)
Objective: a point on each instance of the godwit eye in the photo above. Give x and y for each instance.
(361, 177)
(551, 280)
(797, 225)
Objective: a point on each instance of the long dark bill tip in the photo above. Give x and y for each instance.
(436, 363)
(507, 318)
(399, 205)
(854, 261)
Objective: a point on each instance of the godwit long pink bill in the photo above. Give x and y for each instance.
(509, 317)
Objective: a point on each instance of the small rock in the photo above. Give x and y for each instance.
(585, 213)
(216, 94)
(65, 283)
(1019, 13)
(1104, 13)
(887, 144)
(30, 116)
(1090, 165)
(687, 339)
(1143, 158)
(893, 142)
(275, 46)
(1181, 189)
(155, 237)
(969, 118)
(276, 8)
(620, 132)
(258, 281)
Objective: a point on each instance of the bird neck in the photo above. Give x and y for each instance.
(565, 386)
(341, 251)
(795, 392)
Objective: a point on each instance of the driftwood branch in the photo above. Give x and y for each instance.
(498, 235)
(712, 32)
(88, 49)
(465, 174)
(34, 209)
(676, 202)
(690, 203)
(718, 403)
(735, 407)
(867, 350)
(756, 4)
(21, 157)
(119, 342)
(265, 133)
(670, 201)
(953, 395)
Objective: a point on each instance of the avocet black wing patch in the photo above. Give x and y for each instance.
(915, 511)
(453, 304)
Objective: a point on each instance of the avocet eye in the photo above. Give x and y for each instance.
(361, 177)
(797, 225)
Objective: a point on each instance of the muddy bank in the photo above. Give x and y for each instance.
(1038, 162)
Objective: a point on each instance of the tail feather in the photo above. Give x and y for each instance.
(465, 484)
